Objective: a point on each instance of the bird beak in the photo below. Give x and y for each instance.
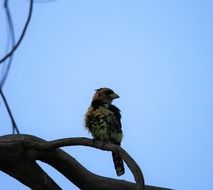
(114, 96)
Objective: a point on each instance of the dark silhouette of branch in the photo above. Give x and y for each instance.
(15, 150)
(109, 147)
(8, 65)
(22, 34)
(12, 36)
(15, 128)
(28, 172)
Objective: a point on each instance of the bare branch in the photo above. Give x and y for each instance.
(18, 149)
(22, 34)
(11, 37)
(7, 66)
(15, 128)
(29, 173)
(109, 147)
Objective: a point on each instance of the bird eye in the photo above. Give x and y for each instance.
(108, 92)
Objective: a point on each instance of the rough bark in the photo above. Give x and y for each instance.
(18, 155)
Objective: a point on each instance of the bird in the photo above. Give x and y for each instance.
(103, 120)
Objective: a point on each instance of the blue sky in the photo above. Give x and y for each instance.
(157, 55)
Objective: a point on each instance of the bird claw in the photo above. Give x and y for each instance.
(100, 143)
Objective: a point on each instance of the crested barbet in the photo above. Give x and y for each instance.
(103, 120)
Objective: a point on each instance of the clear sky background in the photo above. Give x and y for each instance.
(156, 54)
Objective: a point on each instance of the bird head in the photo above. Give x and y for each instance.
(105, 95)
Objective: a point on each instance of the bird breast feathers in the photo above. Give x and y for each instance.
(102, 115)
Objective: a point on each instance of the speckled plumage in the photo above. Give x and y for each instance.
(103, 120)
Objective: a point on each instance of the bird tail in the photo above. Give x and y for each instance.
(118, 163)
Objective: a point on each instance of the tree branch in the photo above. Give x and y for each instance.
(99, 145)
(25, 148)
(11, 39)
(22, 34)
(14, 126)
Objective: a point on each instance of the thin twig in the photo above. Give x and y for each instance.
(12, 36)
(22, 34)
(15, 128)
